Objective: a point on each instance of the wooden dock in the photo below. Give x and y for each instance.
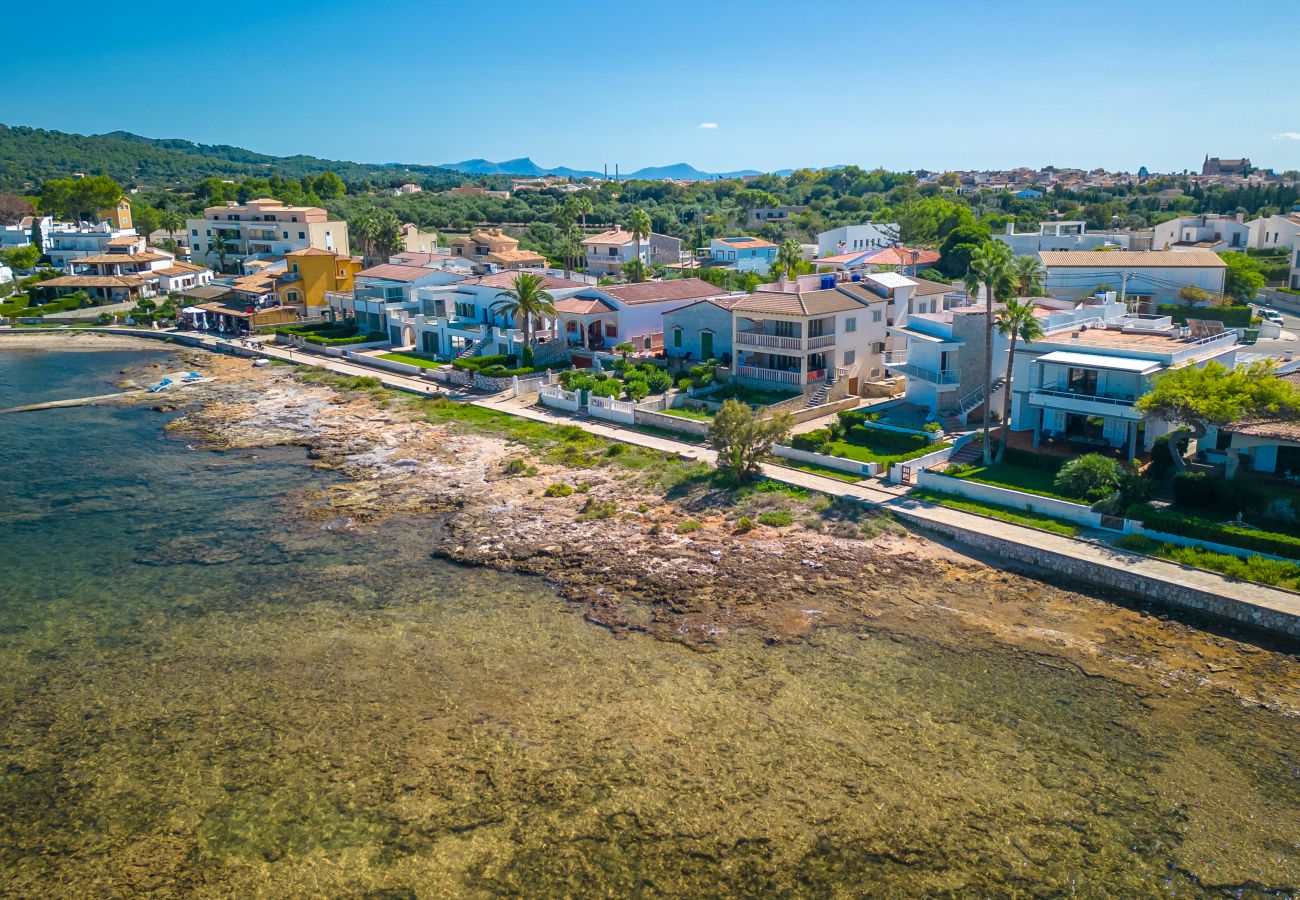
(75, 401)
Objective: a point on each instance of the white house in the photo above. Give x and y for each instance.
(848, 238)
(744, 253)
(1081, 381)
(598, 318)
(262, 228)
(66, 242)
(21, 234)
(1275, 232)
(1151, 276)
(1063, 235)
(608, 252)
(1205, 232)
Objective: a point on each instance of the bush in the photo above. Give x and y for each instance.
(1032, 460)
(1205, 491)
(776, 518)
(1185, 525)
(659, 380)
(637, 390)
(1161, 461)
(690, 526)
(559, 489)
(520, 466)
(933, 427)
(889, 440)
(818, 441)
(598, 509)
(744, 524)
(1230, 316)
(607, 387)
(1090, 477)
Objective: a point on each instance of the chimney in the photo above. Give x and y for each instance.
(1241, 218)
(618, 227)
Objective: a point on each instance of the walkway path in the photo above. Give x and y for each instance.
(1091, 561)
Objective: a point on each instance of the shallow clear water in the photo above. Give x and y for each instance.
(202, 694)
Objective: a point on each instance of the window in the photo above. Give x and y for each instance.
(302, 235)
(613, 251)
(877, 346)
(875, 315)
(611, 331)
(194, 232)
(850, 357)
(677, 337)
(286, 235)
(851, 324)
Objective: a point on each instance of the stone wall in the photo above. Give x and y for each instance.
(1115, 575)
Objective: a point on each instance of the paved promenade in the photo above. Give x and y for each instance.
(1030, 549)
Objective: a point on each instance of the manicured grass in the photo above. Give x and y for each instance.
(815, 469)
(422, 360)
(1279, 573)
(1185, 524)
(996, 511)
(699, 415)
(1030, 479)
(866, 450)
(752, 396)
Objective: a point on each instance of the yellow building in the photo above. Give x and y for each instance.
(310, 273)
(119, 215)
(492, 245)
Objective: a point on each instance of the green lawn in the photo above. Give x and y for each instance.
(699, 415)
(1279, 573)
(866, 450)
(1019, 478)
(749, 395)
(816, 469)
(996, 511)
(423, 360)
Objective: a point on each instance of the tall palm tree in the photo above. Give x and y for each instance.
(364, 226)
(171, 222)
(220, 245)
(1029, 276)
(387, 237)
(638, 222)
(582, 203)
(990, 266)
(572, 247)
(1017, 322)
(788, 257)
(526, 298)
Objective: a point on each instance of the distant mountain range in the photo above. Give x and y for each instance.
(526, 168)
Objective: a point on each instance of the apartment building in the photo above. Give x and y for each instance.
(492, 246)
(1150, 277)
(1204, 232)
(607, 253)
(261, 229)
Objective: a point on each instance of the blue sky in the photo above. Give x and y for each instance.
(944, 84)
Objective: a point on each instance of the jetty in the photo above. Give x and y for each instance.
(75, 401)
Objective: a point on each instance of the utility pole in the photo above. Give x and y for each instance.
(1123, 289)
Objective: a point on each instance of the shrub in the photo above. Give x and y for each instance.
(1174, 522)
(744, 524)
(607, 387)
(520, 466)
(528, 357)
(559, 489)
(1194, 489)
(658, 380)
(690, 526)
(1230, 316)
(1032, 460)
(1161, 461)
(776, 518)
(616, 450)
(1090, 477)
(933, 427)
(598, 509)
(637, 390)
(957, 469)
(742, 437)
(888, 440)
(818, 441)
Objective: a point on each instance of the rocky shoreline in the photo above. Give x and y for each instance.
(673, 563)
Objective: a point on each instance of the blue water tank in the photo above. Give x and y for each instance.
(855, 277)
(828, 282)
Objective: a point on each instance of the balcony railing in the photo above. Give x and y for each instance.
(943, 377)
(1077, 395)
(779, 376)
(895, 357)
(762, 339)
(821, 340)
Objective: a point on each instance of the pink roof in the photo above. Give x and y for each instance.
(583, 306)
(389, 272)
(507, 280)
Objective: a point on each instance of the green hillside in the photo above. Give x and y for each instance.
(30, 156)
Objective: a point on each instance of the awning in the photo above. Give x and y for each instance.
(1097, 361)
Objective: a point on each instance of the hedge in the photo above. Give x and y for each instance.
(499, 366)
(1031, 460)
(1230, 316)
(893, 440)
(371, 337)
(1274, 542)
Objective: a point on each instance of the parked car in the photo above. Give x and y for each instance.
(1271, 316)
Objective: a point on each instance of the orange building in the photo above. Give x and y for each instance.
(310, 273)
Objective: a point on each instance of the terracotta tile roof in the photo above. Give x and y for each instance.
(808, 303)
(1141, 259)
(727, 303)
(122, 257)
(610, 237)
(515, 256)
(583, 306)
(415, 258)
(95, 281)
(657, 291)
(507, 279)
(181, 268)
(311, 251)
(749, 243)
(926, 288)
(389, 272)
(126, 240)
(902, 256)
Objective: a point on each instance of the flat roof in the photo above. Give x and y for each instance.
(1096, 361)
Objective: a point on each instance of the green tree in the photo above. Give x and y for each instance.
(387, 237)
(21, 258)
(1214, 396)
(1029, 276)
(638, 222)
(1016, 322)
(789, 257)
(79, 198)
(146, 218)
(990, 267)
(957, 247)
(171, 222)
(742, 437)
(1244, 277)
(525, 300)
(328, 186)
(583, 206)
(1089, 477)
(220, 245)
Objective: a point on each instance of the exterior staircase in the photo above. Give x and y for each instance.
(818, 397)
(474, 348)
(971, 452)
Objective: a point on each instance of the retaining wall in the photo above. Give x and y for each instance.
(556, 397)
(852, 466)
(1061, 509)
(612, 410)
(1117, 575)
(672, 423)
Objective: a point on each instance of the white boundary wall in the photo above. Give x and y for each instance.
(1061, 509)
(556, 397)
(612, 410)
(852, 466)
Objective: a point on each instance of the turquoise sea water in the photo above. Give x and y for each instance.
(204, 693)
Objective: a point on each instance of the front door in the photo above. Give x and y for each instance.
(706, 345)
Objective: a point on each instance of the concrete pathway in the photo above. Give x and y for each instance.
(1104, 560)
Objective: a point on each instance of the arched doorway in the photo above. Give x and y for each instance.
(408, 336)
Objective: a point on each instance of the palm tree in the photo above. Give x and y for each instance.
(387, 236)
(364, 226)
(171, 222)
(525, 299)
(221, 246)
(582, 204)
(572, 248)
(1029, 276)
(638, 222)
(990, 266)
(1016, 322)
(788, 257)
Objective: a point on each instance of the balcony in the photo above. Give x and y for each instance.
(763, 339)
(777, 376)
(944, 378)
(1087, 404)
